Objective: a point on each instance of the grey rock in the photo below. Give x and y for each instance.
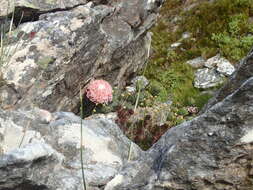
(186, 35)
(222, 65)
(225, 67)
(40, 149)
(212, 151)
(7, 7)
(213, 61)
(62, 50)
(176, 44)
(207, 78)
(244, 71)
(197, 62)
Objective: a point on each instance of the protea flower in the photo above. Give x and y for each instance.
(99, 92)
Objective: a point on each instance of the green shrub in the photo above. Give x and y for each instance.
(183, 111)
(223, 25)
(157, 90)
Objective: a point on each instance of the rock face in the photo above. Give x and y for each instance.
(213, 151)
(40, 150)
(67, 43)
(65, 47)
(244, 71)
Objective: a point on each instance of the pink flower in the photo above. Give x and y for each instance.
(192, 109)
(99, 91)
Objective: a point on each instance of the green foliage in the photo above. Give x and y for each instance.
(177, 80)
(182, 111)
(218, 26)
(157, 90)
(223, 25)
(233, 43)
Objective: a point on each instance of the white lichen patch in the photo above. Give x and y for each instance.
(118, 179)
(15, 70)
(28, 27)
(15, 136)
(64, 29)
(46, 48)
(48, 92)
(99, 145)
(151, 1)
(248, 137)
(76, 24)
(4, 95)
(32, 152)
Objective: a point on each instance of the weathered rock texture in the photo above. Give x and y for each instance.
(40, 150)
(70, 42)
(213, 151)
(244, 71)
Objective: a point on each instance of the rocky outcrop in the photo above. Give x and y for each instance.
(244, 71)
(59, 52)
(40, 150)
(212, 151)
(65, 44)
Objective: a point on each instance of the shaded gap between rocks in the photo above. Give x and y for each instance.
(31, 15)
(27, 185)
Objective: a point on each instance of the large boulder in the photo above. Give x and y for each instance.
(40, 150)
(59, 49)
(213, 151)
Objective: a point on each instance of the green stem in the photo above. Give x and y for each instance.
(81, 141)
(135, 107)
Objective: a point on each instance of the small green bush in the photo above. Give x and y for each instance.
(157, 90)
(183, 112)
(223, 25)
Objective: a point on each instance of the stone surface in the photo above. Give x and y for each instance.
(225, 67)
(176, 44)
(213, 151)
(197, 62)
(244, 71)
(7, 6)
(42, 150)
(222, 65)
(213, 61)
(59, 50)
(186, 35)
(207, 78)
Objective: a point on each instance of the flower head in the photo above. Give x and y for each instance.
(192, 109)
(99, 91)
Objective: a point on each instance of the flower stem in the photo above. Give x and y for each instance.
(81, 140)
